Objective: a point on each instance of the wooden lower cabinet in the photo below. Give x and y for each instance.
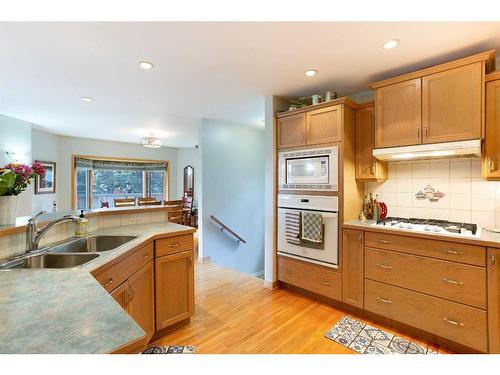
(174, 278)
(141, 300)
(120, 295)
(494, 299)
(352, 267)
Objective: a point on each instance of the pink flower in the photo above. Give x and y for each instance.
(38, 168)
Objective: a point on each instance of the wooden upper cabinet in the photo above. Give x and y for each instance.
(452, 104)
(174, 288)
(398, 113)
(324, 125)
(368, 168)
(491, 163)
(291, 130)
(352, 267)
(494, 300)
(141, 300)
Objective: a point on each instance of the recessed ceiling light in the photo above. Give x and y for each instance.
(311, 72)
(87, 99)
(391, 43)
(151, 142)
(146, 65)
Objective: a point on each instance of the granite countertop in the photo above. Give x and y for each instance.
(67, 311)
(487, 238)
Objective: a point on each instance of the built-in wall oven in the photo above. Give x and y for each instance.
(312, 169)
(308, 228)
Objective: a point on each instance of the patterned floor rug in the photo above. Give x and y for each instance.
(172, 349)
(365, 339)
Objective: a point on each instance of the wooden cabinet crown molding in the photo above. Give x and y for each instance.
(344, 100)
(488, 57)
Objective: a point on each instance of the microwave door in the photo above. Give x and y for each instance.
(307, 170)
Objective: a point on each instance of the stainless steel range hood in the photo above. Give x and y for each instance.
(429, 151)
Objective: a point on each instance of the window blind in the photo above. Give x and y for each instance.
(90, 164)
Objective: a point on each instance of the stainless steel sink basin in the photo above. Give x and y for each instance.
(91, 244)
(50, 260)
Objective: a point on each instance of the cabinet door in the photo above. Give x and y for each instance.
(291, 130)
(451, 104)
(494, 300)
(398, 114)
(491, 164)
(324, 125)
(352, 267)
(121, 295)
(367, 167)
(174, 288)
(141, 304)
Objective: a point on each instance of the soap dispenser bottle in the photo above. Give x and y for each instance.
(82, 226)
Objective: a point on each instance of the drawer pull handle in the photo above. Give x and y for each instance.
(492, 259)
(174, 244)
(145, 256)
(109, 282)
(383, 300)
(384, 266)
(326, 283)
(449, 281)
(453, 252)
(453, 322)
(384, 241)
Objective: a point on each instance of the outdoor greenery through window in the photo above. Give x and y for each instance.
(99, 183)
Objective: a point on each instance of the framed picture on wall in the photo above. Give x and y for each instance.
(47, 183)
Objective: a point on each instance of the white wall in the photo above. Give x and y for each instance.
(45, 147)
(82, 146)
(468, 198)
(15, 137)
(233, 191)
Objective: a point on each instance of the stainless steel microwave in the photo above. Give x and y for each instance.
(312, 169)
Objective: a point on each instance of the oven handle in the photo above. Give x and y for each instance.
(326, 214)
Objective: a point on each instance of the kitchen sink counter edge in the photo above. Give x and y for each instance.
(67, 310)
(487, 238)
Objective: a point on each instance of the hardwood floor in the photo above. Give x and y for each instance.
(234, 313)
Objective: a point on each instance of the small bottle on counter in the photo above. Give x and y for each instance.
(376, 208)
(82, 226)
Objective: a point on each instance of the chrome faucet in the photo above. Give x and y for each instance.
(34, 235)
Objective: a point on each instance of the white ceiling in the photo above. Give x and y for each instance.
(202, 70)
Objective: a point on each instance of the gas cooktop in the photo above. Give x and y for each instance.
(431, 226)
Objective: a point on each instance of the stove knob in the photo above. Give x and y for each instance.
(427, 228)
(401, 225)
(409, 226)
(436, 229)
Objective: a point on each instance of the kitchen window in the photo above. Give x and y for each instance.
(98, 182)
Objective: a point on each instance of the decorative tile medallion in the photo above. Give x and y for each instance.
(172, 349)
(429, 193)
(365, 339)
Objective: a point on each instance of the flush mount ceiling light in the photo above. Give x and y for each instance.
(87, 99)
(391, 43)
(151, 142)
(146, 65)
(311, 72)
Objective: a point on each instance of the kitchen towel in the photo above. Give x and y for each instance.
(292, 227)
(312, 227)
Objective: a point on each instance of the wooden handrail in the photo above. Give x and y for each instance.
(224, 227)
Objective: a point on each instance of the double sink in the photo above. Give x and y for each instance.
(68, 254)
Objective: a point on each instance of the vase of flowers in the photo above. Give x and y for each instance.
(14, 179)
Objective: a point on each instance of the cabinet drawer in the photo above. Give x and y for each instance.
(456, 252)
(311, 277)
(454, 281)
(113, 276)
(172, 245)
(459, 323)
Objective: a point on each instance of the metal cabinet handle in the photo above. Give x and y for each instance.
(453, 322)
(132, 293)
(418, 132)
(383, 300)
(110, 281)
(127, 297)
(174, 244)
(360, 237)
(453, 252)
(384, 241)
(492, 262)
(426, 132)
(326, 283)
(490, 164)
(190, 260)
(449, 281)
(374, 168)
(384, 266)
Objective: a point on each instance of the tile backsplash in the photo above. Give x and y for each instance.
(467, 197)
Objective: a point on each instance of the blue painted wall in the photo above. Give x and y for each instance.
(233, 191)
